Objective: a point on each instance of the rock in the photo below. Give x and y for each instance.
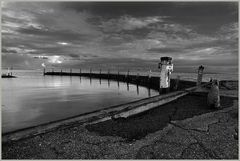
(213, 98)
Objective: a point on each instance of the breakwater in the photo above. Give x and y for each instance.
(151, 82)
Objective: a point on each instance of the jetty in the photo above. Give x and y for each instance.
(151, 82)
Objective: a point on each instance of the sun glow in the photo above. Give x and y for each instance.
(55, 59)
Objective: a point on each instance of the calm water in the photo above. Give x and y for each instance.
(33, 99)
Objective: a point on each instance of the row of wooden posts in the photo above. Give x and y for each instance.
(100, 72)
(149, 82)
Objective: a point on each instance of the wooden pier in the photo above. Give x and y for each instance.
(151, 82)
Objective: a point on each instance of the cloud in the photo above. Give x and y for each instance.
(77, 33)
(128, 23)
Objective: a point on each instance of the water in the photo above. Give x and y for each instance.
(33, 99)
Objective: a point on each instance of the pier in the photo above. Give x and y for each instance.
(151, 82)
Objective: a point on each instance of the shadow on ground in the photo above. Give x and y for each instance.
(138, 126)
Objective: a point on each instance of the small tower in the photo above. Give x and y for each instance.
(166, 67)
(200, 74)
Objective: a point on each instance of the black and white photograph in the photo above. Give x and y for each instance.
(119, 80)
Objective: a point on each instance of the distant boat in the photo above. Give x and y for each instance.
(9, 74)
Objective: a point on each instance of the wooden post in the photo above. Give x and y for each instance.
(118, 76)
(149, 78)
(137, 90)
(137, 78)
(149, 92)
(177, 83)
(128, 75)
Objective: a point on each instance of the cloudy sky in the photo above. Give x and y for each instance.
(120, 35)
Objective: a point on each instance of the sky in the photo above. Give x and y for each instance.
(120, 35)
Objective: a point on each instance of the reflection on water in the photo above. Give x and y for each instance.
(33, 100)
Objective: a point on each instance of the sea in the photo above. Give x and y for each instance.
(32, 99)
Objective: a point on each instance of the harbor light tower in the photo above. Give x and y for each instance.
(166, 67)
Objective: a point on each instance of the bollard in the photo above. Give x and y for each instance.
(118, 76)
(166, 67)
(149, 78)
(128, 75)
(149, 74)
(200, 74)
(213, 98)
(177, 83)
(137, 90)
(137, 78)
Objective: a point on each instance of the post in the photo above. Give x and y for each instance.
(137, 78)
(118, 75)
(149, 78)
(44, 71)
(90, 72)
(200, 74)
(11, 71)
(8, 71)
(166, 67)
(128, 75)
(177, 82)
(137, 90)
